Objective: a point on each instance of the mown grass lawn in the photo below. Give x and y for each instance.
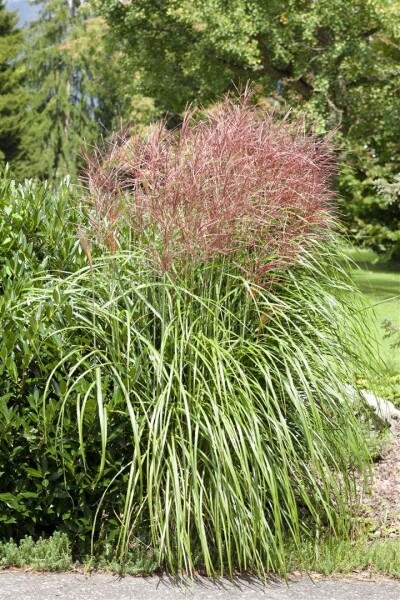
(380, 283)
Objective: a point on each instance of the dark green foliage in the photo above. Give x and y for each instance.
(59, 101)
(38, 492)
(205, 45)
(12, 94)
(72, 89)
(381, 220)
(37, 235)
(38, 230)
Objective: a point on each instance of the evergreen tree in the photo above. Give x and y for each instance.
(68, 70)
(11, 91)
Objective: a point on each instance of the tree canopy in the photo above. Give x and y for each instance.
(87, 66)
(75, 91)
(11, 88)
(298, 49)
(341, 66)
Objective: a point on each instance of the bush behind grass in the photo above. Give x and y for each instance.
(38, 237)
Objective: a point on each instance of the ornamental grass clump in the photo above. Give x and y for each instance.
(236, 183)
(208, 349)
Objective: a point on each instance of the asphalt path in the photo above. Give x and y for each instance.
(16, 585)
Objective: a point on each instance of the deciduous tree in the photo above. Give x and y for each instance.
(339, 62)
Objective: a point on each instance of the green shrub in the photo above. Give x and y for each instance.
(37, 230)
(37, 237)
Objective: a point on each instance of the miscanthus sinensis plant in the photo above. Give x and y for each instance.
(216, 324)
(235, 183)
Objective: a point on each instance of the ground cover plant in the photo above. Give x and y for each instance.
(52, 554)
(187, 386)
(326, 556)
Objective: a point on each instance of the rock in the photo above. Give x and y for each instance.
(384, 409)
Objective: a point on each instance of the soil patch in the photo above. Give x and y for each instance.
(382, 505)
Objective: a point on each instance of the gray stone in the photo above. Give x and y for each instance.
(384, 409)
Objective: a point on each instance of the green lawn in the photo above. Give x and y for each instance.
(380, 284)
